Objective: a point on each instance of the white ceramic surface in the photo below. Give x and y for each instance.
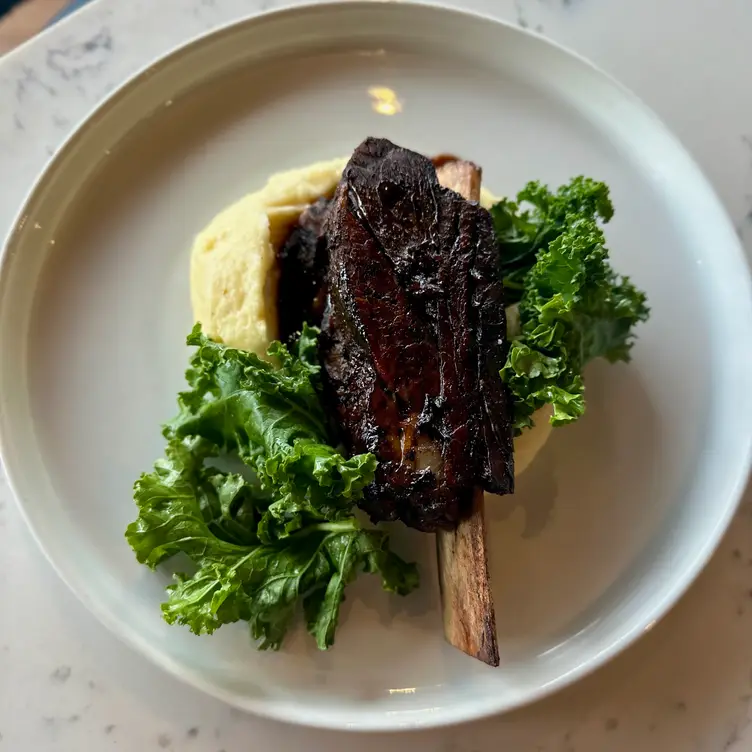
(624, 509)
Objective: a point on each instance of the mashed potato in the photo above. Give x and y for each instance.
(233, 270)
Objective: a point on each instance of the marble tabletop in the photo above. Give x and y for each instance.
(67, 685)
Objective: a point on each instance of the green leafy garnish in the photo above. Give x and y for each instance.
(524, 232)
(281, 533)
(573, 307)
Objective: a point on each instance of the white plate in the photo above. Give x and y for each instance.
(609, 526)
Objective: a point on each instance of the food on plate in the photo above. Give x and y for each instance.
(467, 602)
(573, 307)
(233, 269)
(278, 533)
(244, 299)
(427, 345)
(234, 277)
(414, 338)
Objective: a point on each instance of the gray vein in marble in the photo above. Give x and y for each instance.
(51, 721)
(61, 674)
(60, 122)
(733, 737)
(27, 81)
(741, 724)
(83, 57)
(109, 728)
(523, 20)
(164, 741)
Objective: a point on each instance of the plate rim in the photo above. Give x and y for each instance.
(382, 722)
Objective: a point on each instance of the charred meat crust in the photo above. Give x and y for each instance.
(414, 336)
(302, 262)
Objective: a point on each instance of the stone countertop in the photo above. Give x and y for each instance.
(68, 685)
